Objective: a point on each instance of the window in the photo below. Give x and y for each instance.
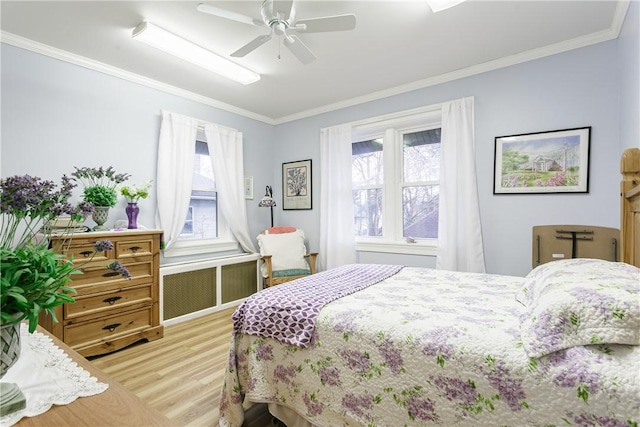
(396, 173)
(368, 176)
(420, 185)
(202, 215)
(204, 229)
(209, 217)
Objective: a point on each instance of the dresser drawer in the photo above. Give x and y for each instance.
(108, 328)
(110, 302)
(82, 252)
(100, 279)
(133, 248)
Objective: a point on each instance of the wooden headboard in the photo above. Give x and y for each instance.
(630, 206)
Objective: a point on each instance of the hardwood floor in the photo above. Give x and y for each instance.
(181, 374)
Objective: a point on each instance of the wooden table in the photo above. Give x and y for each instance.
(116, 406)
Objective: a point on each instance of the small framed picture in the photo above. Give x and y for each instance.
(544, 162)
(248, 187)
(296, 185)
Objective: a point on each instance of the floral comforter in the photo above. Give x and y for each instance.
(429, 347)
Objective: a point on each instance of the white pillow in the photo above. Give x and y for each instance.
(580, 302)
(287, 250)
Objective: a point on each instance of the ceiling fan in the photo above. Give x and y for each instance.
(279, 17)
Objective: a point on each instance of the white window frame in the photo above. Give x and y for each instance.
(223, 243)
(392, 127)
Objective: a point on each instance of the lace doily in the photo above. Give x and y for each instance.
(46, 376)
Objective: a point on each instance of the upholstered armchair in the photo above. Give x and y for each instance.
(284, 255)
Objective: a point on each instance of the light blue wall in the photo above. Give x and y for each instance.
(57, 115)
(629, 70)
(574, 89)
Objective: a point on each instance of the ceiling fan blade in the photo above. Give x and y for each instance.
(327, 23)
(251, 46)
(284, 7)
(276, 10)
(299, 50)
(223, 13)
(292, 14)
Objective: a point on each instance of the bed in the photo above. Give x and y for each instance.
(376, 345)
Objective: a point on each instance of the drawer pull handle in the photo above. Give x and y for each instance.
(86, 254)
(111, 300)
(135, 249)
(111, 327)
(111, 274)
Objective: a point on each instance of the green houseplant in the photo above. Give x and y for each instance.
(35, 278)
(99, 190)
(99, 184)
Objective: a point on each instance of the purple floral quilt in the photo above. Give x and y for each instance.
(428, 347)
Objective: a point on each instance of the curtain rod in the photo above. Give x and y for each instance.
(201, 123)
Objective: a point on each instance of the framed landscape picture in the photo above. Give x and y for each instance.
(296, 185)
(545, 162)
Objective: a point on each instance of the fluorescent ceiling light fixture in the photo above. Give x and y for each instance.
(168, 42)
(438, 5)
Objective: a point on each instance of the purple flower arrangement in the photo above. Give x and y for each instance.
(29, 203)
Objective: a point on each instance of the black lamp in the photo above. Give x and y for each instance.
(267, 201)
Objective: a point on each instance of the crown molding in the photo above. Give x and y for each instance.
(52, 52)
(602, 36)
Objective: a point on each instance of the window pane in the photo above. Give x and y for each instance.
(420, 211)
(204, 224)
(421, 156)
(367, 208)
(202, 217)
(367, 163)
(187, 230)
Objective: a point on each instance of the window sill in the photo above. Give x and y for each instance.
(185, 248)
(399, 247)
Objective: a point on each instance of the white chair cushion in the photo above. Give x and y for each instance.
(287, 250)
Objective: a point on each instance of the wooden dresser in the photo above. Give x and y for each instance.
(110, 312)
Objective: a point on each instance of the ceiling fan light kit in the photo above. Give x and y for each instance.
(172, 44)
(279, 17)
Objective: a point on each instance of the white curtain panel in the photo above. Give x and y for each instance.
(225, 149)
(459, 230)
(176, 149)
(337, 241)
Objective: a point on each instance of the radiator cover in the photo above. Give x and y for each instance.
(190, 290)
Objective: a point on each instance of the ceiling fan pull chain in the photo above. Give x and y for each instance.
(279, 46)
